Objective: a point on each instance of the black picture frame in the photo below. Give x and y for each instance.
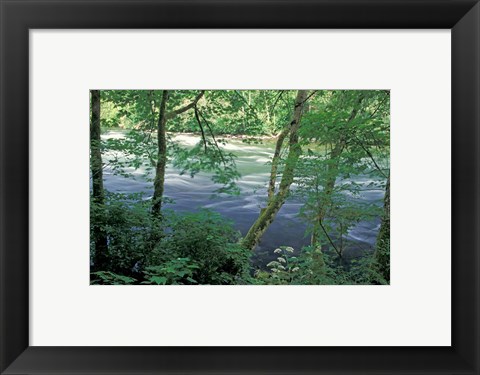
(19, 16)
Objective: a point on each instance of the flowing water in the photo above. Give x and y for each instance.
(287, 229)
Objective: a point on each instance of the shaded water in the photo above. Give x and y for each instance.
(190, 194)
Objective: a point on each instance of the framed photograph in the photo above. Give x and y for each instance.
(239, 187)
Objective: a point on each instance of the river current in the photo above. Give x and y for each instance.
(189, 194)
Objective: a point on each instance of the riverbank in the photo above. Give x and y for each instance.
(265, 137)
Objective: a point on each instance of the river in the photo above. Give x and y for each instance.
(287, 229)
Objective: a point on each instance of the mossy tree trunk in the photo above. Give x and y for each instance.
(382, 250)
(98, 193)
(276, 201)
(275, 160)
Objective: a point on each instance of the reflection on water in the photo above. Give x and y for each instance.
(287, 229)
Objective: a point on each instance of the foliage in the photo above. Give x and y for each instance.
(221, 165)
(129, 153)
(127, 222)
(173, 272)
(210, 242)
(313, 267)
(344, 135)
(109, 278)
(182, 249)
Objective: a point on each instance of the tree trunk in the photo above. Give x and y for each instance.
(276, 201)
(382, 250)
(96, 166)
(159, 182)
(332, 174)
(275, 160)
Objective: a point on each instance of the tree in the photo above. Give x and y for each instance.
(331, 174)
(276, 201)
(147, 114)
(98, 194)
(382, 250)
(350, 127)
(159, 182)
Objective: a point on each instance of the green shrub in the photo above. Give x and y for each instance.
(210, 242)
(314, 267)
(174, 272)
(128, 225)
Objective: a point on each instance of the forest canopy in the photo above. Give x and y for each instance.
(240, 187)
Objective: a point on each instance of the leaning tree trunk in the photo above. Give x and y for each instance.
(275, 161)
(382, 251)
(159, 182)
(96, 166)
(275, 202)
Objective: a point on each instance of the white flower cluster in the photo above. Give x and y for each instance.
(288, 248)
(273, 264)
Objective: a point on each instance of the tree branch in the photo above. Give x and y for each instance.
(201, 128)
(370, 156)
(329, 239)
(213, 137)
(176, 112)
(379, 105)
(247, 104)
(309, 96)
(276, 100)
